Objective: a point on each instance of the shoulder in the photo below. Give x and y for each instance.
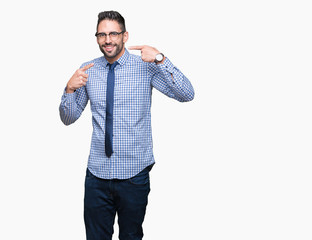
(99, 63)
(135, 59)
(96, 61)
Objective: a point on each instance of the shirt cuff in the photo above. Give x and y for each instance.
(166, 66)
(70, 97)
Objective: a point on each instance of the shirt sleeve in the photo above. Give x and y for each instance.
(171, 81)
(72, 105)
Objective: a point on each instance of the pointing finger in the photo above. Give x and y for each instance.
(135, 47)
(85, 68)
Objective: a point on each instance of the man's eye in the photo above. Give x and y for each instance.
(113, 34)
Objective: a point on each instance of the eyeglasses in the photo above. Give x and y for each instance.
(112, 35)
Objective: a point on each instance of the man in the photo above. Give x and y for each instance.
(119, 87)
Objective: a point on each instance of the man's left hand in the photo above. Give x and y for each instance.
(148, 53)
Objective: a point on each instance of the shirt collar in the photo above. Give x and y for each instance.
(122, 60)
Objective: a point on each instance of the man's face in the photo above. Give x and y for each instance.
(111, 46)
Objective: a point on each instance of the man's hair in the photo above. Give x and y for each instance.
(113, 16)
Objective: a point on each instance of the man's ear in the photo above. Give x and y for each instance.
(125, 37)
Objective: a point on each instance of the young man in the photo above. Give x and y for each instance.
(119, 87)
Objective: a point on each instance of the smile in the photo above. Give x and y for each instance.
(108, 48)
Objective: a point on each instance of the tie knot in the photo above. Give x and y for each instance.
(112, 66)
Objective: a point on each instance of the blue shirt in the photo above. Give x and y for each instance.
(132, 133)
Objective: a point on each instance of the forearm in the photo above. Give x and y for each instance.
(173, 83)
(70, 111)
(75, 96)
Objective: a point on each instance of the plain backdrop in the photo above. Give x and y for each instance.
(235, 163)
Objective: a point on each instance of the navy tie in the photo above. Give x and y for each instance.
(109, 110)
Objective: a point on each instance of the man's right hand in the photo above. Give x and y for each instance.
(79, 79)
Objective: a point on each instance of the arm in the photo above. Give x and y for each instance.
(72, 105)
(75, 98)
(171, 81)
(166, 77)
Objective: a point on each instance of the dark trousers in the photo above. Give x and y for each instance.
(106, 198)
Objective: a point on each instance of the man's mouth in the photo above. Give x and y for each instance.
(108, 48)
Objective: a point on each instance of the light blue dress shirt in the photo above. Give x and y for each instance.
(132, 133)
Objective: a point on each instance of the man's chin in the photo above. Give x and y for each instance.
(110, 57)
(108, 54)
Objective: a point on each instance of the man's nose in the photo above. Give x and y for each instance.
(107, 39)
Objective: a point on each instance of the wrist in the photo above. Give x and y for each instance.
(69, 89)
(159, 58)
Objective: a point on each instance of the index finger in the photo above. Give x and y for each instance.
(85, 68)
(135, 47)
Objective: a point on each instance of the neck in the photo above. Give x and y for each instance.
(114, 59)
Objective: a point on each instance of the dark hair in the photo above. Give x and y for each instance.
(111, 15)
